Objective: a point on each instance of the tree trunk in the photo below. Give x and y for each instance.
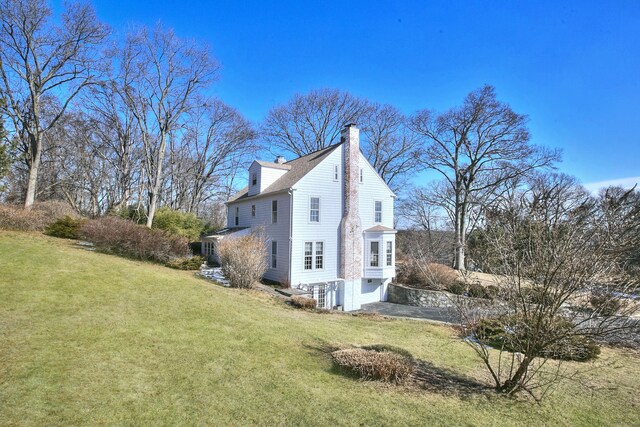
(513, 384)
(157, 181)
(34, 165)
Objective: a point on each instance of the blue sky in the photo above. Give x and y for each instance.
(572, 67)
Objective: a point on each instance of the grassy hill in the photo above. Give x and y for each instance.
(87, 338)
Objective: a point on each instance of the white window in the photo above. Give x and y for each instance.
(313, 255)
(274, 254)
(374, 254)
(308, 255)
(274, 211)
(378, 211)
(335, 172)
(361, 176)
(314, 209)
(319, 255)
(237, 218)
(389, 254)
(254, 178)
(253, 211)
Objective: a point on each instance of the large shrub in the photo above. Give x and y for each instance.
(188, 263)
(38, 218)
(509, 333)
(417, 273)
(371, 364)
(123, 237)
(177, 222)
(65, 228)
(243, 259)
(19, 219)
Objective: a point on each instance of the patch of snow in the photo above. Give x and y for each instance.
(214, 273)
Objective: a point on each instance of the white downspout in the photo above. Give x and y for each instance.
(291, 190)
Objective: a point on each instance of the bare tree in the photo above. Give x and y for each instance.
(391, 147)
(41, 59)
(561, 285)
(312, 121)
(166, 76)
(119, 137)
(216, 137)
(476, 148)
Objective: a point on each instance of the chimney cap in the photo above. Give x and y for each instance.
(348, 125)
(280, 160)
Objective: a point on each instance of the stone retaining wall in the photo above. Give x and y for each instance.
(400, 294)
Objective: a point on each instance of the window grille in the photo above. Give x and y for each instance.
(314, 209)
(274, 211)
(389, 254)
(319, 255)
(308, 255)
(378, 211)
(375, 252)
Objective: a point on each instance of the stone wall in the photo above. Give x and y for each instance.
(400, 294)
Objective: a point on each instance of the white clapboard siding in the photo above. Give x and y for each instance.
(278, 232)
(319, 182)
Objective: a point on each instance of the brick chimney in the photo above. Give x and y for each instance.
(350, 225)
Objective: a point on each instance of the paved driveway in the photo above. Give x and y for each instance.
(446, 315)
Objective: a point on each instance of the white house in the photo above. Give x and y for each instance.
(328, 218)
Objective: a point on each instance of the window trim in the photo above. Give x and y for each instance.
(314, 255)
(319, 209)
(370, 254)
(375, 211)
(274, 255)
(274, 212)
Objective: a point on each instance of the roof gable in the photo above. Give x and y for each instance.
(298, 168)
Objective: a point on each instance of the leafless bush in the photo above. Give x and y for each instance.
(303, 302)
(19, 219)
(420, 273)
(37, 219)
(55, 209)
(125, 238)
(368, 364)
(243, 259)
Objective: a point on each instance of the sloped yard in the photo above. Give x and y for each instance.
(89, 339)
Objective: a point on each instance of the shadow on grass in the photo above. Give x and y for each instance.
(434, 379)
(426, 376)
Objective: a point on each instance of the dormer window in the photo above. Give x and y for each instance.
(254, 178)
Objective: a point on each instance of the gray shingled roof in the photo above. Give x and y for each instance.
(273, 165)
(298, 169)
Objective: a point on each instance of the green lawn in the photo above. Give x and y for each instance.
(90, 339)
